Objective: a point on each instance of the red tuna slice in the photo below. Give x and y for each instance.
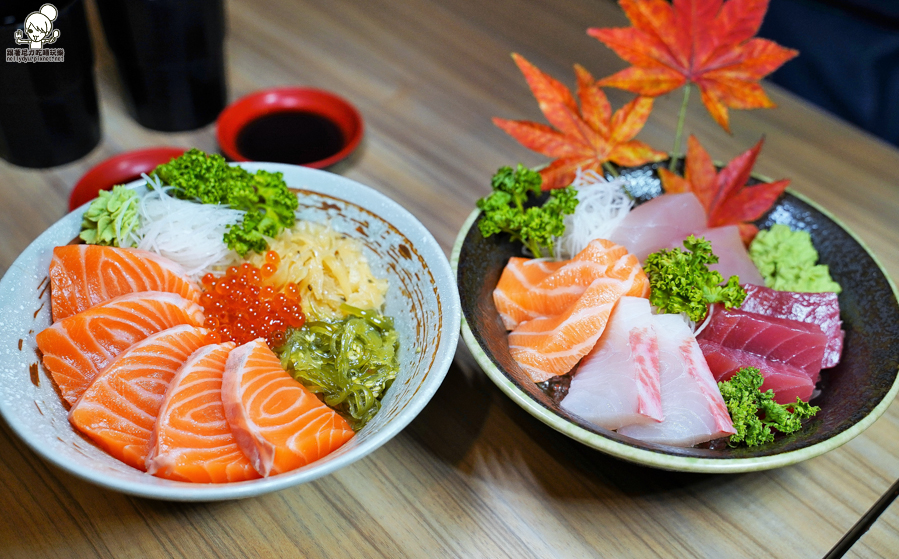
(659, 222)
(786, 341)
(788, 383)
(822, 309)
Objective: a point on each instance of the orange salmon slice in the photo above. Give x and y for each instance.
(192, 440)
(118, 410)
(82, 276)
(568, 308)
(75, 349)
(279, 424)
(531, 288)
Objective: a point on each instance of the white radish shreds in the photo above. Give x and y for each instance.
(601, 206)
(191, 234)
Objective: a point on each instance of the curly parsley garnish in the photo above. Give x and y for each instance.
(535, 227)
(269, 204)
(682, 282)
(755, 413)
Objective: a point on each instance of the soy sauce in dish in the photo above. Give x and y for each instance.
(296, 137)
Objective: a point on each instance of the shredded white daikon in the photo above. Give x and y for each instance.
(601, 206)
(189, 233)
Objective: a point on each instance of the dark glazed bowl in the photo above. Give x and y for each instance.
(854, 393)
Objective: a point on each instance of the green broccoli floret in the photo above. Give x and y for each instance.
(681, 281)
(269, 204)
(755, 413)
(535, 227)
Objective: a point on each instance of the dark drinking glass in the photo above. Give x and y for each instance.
(170, 56)
(48, 102)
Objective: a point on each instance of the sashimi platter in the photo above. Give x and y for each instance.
(593, 337)
(216, 331)
(661, 306)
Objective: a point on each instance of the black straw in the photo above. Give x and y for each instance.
(864, 523)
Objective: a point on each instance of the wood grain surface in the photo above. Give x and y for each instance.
(474, 475)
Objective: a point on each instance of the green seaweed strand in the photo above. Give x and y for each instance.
(349, 363)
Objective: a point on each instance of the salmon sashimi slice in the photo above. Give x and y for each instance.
(618, 382)
(118, 410)
(528, 289)
(75, 349)
(192, 440)
(82, 276)
(279, 424)
(520, 277)
(554, 342)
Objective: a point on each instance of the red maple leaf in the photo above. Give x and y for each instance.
(584, 138)
(727, 199)
(706, 42)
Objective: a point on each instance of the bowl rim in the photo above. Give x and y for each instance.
(375, 202)
(281, 99)
(652, 458)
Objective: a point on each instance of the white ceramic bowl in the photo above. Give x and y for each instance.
(422, 299)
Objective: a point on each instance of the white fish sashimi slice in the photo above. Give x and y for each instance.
(659, 222)
(617, 383)
(694, 409)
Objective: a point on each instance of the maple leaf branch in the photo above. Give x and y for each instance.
(681, 116)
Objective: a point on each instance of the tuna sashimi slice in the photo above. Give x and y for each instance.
(822, 309)
(82, 276)
(191, 440)
(659, 222)
(118, 410)
(733, 259)
(788, 383)
(277, 422)
(786, 341)
(693, 407)
(617, 383)
(552, 345)
(75, 349)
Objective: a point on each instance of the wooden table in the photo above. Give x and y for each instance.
(473, 475)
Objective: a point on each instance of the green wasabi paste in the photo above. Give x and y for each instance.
(348, 363)
(112, 218)
(788, 261)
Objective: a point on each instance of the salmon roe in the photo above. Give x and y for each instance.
(240, 308)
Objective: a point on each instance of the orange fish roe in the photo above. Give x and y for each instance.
(240, 308)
